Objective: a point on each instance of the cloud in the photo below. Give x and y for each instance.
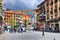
(21, 4)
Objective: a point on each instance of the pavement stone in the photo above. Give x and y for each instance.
(30, 35)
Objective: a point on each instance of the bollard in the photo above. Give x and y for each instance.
(54, 38)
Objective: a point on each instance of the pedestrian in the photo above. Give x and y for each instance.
(52, 28)
(21, 30)
(15, 29)
(5, 28)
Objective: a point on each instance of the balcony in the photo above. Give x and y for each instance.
(42, 14)
(53, 20)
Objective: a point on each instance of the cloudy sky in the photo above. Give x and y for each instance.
(21, 4)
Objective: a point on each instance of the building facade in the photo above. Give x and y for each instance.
(52, 10)
(41, 16)
(7, 16)
(16, 15)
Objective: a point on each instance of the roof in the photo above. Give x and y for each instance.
(9, 12)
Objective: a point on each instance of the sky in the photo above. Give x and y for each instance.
(21, 4)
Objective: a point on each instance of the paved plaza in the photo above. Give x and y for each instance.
(30, 35)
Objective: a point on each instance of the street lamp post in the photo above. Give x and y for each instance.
(44, 23)
(42, 31)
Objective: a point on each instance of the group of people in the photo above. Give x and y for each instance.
(14, 29)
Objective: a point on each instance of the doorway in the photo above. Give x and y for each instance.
(57, 27)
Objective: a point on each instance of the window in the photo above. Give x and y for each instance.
(51, 8)
(55, 15)
(47, 4)
(5, 14)
(47, 10)
(52, 17)
(51, 12)
(8, 14)
(5, 18)
(52, 3)
(19, 15)
(55, 10)
(59, 8)
(56, 1)
(47, 17)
